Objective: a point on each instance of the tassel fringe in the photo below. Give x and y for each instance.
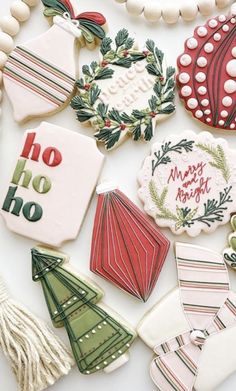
(37, 356)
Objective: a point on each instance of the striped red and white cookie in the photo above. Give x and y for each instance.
(207, 73)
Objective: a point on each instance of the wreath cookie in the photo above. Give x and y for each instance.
(188, 183)
(126, 93)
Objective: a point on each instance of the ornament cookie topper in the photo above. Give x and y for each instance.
(127, 249)
(207, 73)
(50, 191)
(188, 183)
(190, 350)
(39, 75)
(125, 93)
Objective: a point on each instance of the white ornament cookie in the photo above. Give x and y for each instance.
(189, 183)
(193, 328)
(51, 185)
(39, 76)
(126, 93)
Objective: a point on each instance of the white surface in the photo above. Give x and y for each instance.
(122, 165)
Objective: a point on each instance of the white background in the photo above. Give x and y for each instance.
(122, 165)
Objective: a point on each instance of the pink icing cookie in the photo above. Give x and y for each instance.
(51, 184)
(207, 73)
(188, 183)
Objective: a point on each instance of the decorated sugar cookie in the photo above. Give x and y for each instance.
(127, 249)
(188, 183)
(193, 328)
(230, 252)
(207, 73)
(100, 340)
(51, 184)
(39, 76)
(126, 92)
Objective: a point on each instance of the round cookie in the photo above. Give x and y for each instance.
(207, 73)
(188, 183)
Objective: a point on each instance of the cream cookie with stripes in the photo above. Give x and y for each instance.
(185, 328)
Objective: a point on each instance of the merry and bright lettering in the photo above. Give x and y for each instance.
(193, 183)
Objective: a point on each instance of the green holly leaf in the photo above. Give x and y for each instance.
(114, 115)
(153, 103)
(77, 103)
(148, 132)
(94, 65)
(150, 45)
(121, 37)
(170, 71)
(102, 110)
(168, 109)
(157, 88)
(56, 5)
(105, 45)
(129, 43)
(94, 94)
(104, 73)
(93, 28)
(137, 132)
(152, 70)
(138, 114)
(125, 62)
(80, 83)
(126, 118)
(84, 116)
(86, 71)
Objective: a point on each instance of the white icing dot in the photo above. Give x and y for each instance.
(97, 367)
(199, 114)
(224, 113)
(184, 77)
(221, 122)
(87, 336)
(80, 340)
(222, 18)
(207, 112)
(217, 37)
(192, 43)
(208, 119)
(225, 28)
(232, 126)
(205, 102)
(88, 372)
(231, 68)
(93, 331)
(105, 362)
(99, 327)
(113, 356)
(213, 23)
(202, 31)
(233, 20)
(230, 86)
(192, 103)
(227, 101)
(234, 51)
(202, 62)
(185, 60)
(202, 90)
(209, 47)
(186, 91)
(200, 77)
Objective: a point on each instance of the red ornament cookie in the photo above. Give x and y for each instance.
(207, 73)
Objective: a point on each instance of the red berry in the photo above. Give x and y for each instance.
(107, 123)
(104, 63)
(146, 53)
(161, 78)
(122, 126)
(152, 114)
(126, 53)
(87, 87)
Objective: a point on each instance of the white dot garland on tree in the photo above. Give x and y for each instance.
(170, 13)
(10, 26)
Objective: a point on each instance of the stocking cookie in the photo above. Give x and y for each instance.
(230, 252)
(127, 249)
(126, 92)
(51, 184)
(207, 73)
(100, 339)
(39, 76)
(188, 183)
(192, 329)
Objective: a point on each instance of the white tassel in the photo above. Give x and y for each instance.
(37, 356)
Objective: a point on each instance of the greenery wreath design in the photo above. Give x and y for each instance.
(213, 208)
(109, 122)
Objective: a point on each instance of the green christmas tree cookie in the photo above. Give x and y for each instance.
(230, 252)
(98, 340)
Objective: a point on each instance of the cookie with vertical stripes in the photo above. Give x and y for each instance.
(192, 329)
